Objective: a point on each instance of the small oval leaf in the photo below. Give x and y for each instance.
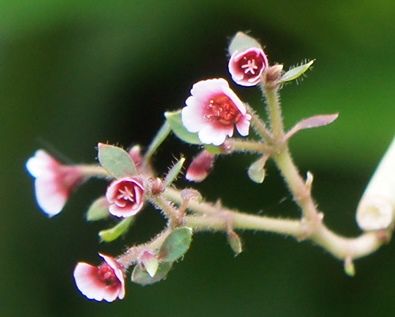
(296, 72)
(242, 42)
(175, 123)
(111, 234)
(98, 210)
(141, 276)
(116, 161)
(176, 244)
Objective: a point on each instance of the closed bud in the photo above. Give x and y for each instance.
(200, 167)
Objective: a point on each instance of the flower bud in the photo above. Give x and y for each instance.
(200, 167)
(377, 206)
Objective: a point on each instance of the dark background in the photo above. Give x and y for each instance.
(73, 73)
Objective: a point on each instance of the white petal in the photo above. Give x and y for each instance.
(49, 196)
(212, 135)
(204, 89)
(192, 116)
(243, 125)
(40, 164)
(86, 281)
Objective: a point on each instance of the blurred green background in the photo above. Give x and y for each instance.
(73, 73)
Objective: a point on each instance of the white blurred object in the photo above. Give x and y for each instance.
(376, 208)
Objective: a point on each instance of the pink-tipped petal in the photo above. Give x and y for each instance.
(54, 181)
(87, 283)
(104, 282)
(118, 272)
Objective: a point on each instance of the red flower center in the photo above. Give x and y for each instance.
(106, 274)
(251, 64)
(222, 109)
(125, 194)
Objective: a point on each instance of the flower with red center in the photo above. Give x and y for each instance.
(54, 181)
(125, 196)
(103, 282)
(246, 67)
(213, 110)
(200, 167)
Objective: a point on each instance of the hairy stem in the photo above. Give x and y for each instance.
(239, 145)
(214, 217)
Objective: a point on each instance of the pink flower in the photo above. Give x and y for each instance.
(246, 67)
(200, 167)
(125, 196)
(54, 182)
(212, 110)
(103, 282)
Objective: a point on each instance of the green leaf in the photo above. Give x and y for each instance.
(115, 232)
(98, 210)
(174, 172)
(242, 42)
(175, 123)
(141, 276)
(296, 72)
(116, 161)
(176, 244)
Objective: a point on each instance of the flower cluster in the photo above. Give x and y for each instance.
(209, 118)
(211, 114)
